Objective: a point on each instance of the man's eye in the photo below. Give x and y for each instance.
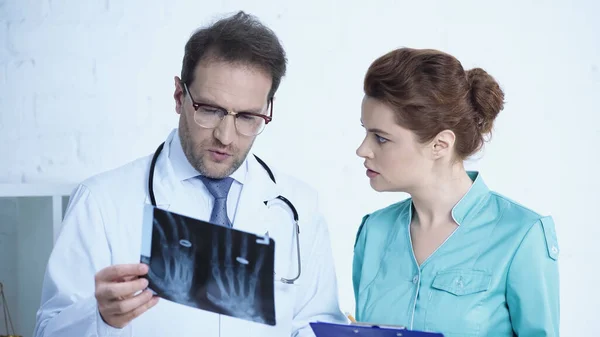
(209, 109)
(246, 117)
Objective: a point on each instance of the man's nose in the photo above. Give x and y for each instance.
(226, 132)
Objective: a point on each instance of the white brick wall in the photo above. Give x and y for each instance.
(76, 86)
(87, 85)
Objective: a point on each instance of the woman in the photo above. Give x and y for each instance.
(455, 257)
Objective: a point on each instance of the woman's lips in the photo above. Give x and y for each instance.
(372, 174)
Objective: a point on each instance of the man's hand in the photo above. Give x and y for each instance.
(116, 287)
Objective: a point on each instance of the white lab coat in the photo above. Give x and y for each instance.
(102, 227)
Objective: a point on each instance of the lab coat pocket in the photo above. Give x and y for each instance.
(455, 301)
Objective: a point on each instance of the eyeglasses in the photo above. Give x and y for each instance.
(247, 123)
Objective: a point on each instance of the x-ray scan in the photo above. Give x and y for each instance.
(209, 267)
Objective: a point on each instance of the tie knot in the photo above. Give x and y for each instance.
(219, 188)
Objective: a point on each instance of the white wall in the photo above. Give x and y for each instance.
(87, 85)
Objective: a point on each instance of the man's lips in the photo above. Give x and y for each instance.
(218, 156)
(224, 153)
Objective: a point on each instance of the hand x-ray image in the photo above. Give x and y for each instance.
(209, 267)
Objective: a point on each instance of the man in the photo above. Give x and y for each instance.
(94, 285)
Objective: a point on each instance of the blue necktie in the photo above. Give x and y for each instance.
(219, 188)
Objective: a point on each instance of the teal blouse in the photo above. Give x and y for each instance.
(496, 275)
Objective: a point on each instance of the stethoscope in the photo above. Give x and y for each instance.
(264, 165)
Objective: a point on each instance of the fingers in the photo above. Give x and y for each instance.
(229, 275)
(124, 307)
(214, 259)
(214, 300)
(244, 248)
(230, 262)
(171, 224)
(142, 308)
(254, 277)
(119, 290)
(229, 247)
(121, 271)
(159, 231)
(116, 289)
(243, 267)
(258, 264)
(140, 305)
(219, 280)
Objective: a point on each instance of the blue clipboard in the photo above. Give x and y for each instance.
(322, 329)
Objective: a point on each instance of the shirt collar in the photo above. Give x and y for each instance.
(184, 170)
(470, 203)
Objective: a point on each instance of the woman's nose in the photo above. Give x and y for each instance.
(363, 150)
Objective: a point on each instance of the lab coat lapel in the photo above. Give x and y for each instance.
(252, 214)
(167, 188)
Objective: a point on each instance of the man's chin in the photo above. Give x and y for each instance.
(215, 173)
(217, 170)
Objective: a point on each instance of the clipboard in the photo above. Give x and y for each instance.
(322, 329)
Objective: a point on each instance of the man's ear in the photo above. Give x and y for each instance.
(443, 144)
(178, 95)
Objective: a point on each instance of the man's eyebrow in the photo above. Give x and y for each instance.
(203, 100)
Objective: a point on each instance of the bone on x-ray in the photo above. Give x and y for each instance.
(209, 267)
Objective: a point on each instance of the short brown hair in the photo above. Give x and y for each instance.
(430, 92)
(237, 39)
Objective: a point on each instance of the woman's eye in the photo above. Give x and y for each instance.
(380, 139)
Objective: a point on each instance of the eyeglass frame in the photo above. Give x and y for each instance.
(197, 106)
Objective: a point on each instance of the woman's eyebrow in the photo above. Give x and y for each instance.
(376, 130)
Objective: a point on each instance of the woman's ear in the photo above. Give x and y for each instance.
(443, 144)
